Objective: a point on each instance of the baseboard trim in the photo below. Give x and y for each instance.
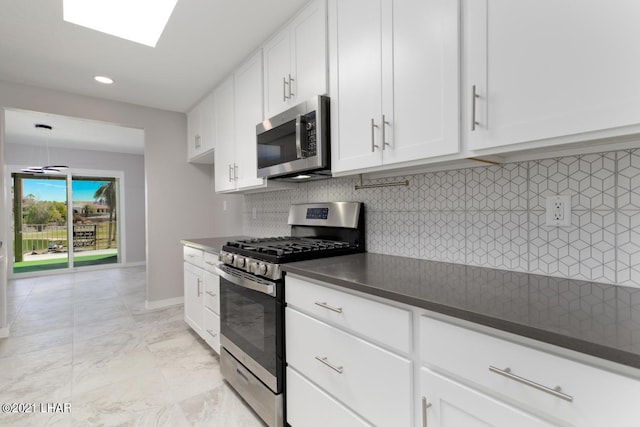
(169, 302)
(134, 264)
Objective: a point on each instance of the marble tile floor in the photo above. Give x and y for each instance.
(84, 351)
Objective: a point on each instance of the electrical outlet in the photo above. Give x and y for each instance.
(558, 211)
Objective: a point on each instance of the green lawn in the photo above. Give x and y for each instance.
(52, 264)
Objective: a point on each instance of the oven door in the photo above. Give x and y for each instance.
(252, 323)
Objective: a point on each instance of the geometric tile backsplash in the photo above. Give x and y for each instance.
(493, 216)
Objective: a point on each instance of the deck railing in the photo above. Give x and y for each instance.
(41, 238)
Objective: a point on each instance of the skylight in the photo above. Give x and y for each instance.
(140, 21)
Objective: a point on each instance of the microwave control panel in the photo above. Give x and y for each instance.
(311, 146)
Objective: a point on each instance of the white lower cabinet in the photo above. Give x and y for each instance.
(551, 387)
(447, 403)
(342, 367)
(193, 299)
(201, 295)
(310, 406)
(345, 371)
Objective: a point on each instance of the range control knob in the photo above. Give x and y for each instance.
(240, 262)
(228, 259)
(262, 269)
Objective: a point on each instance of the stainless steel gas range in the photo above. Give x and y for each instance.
(252, 297)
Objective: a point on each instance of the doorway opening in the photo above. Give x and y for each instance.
(64, 221)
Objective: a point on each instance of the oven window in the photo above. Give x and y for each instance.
(249, 319)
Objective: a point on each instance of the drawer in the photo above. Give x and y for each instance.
(380, 322)
(210, 261)
(371, 381)
(599, 397)
(212, 292)
(212, 329)
(308, 406)
(193, 256)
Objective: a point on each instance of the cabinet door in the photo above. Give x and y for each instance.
(277, 67)
(193, 297)
(421, 79)
(194, 132)
(248, 113)
(224, 131)
(356, 93)
(208, 138)
(545, 69)
(454, 405)
(309, 52)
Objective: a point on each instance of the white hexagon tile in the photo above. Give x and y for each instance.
(494, 216)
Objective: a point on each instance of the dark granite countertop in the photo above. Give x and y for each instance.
(210, 244)
(592, 318)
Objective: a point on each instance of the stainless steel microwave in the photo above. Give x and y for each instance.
(294, 145)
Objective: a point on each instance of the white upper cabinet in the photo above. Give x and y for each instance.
(248, 113)
(224, 129)
(295, 60)
(394, 81)
(547, 69)
(200, 132)
(237, 111)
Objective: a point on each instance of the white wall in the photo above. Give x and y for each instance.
(3, 250)
(180, 202)
(132, 165)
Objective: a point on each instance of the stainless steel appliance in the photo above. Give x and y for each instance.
(294, 144)
(252, 297)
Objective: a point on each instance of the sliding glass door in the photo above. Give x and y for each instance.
(95, 220)
(40, 232)
(62, 221)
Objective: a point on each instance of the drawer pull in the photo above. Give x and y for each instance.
(323, 360)
(211, 294)
(554, 391)
(210, 331)
(425, 406)
(210, 263)
(328, 307)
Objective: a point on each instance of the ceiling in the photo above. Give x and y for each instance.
(69, 132)
(202, 43)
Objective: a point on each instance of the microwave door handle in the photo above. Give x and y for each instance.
(299, 122)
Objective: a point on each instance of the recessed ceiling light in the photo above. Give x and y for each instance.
(103, 79)
(140, 21)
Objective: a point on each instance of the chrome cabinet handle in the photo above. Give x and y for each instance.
(197, 141)
(384, 138)
(373, 136)
(474, 97)
(291, 94)
(323, 360)
(210, 263)
(211, 294)
(425, 406)
(235, 171)
(210, 332)
(199, 286)
(556, 391)
(328, 307)
(284, 89)
(230, 172)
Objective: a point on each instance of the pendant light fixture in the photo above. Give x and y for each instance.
(48, 168)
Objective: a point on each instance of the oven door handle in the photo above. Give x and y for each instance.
(247, 283)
